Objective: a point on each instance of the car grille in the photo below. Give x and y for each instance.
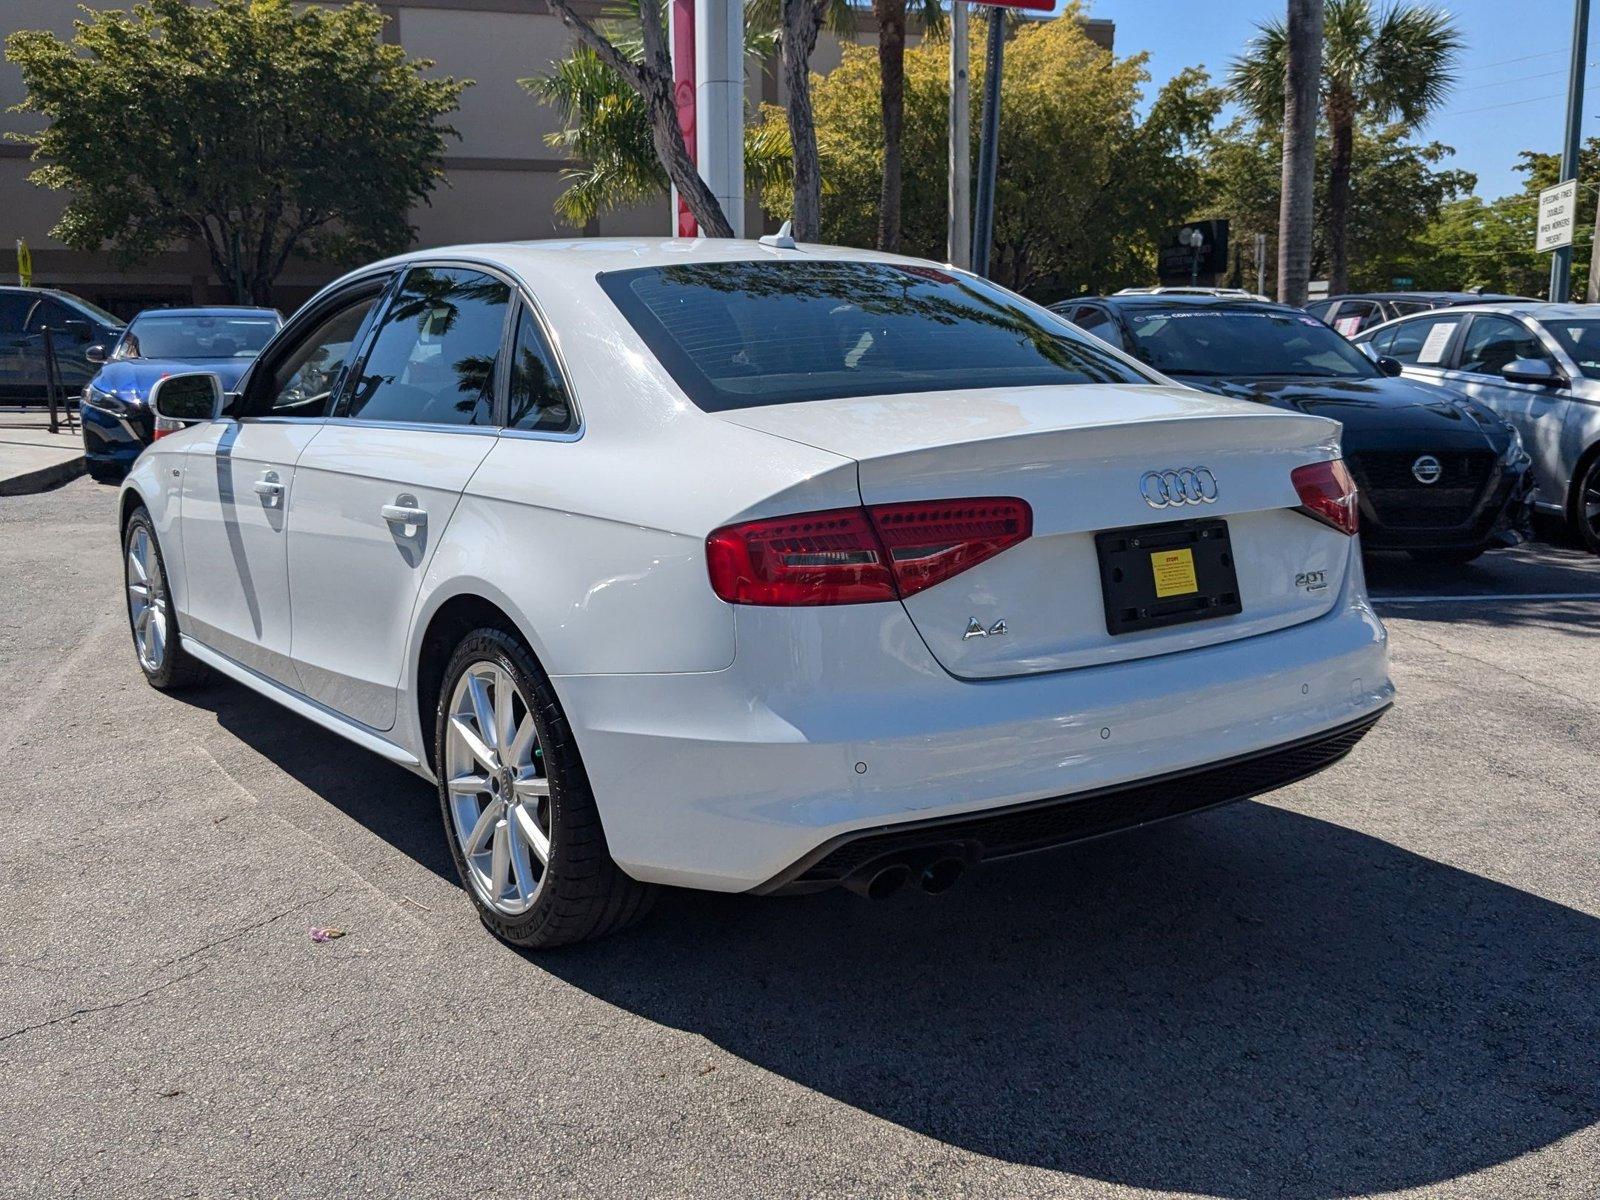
(1399, 501)
(1044, 824)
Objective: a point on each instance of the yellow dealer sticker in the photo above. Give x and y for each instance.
(1174, 571)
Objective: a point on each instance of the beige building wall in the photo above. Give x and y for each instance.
(501, 179)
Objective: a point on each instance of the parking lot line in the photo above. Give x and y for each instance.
(1492, 597)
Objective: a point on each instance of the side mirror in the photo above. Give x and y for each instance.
(1540, 372)
(81, 331)
(95, 353)
(195, 396)
(1390, 366)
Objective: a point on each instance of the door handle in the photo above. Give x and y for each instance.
(269, 488)
(404, 512)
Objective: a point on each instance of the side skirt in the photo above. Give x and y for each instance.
(303, 706)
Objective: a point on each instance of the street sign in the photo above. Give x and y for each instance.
(1402, 281)
(1026, 5)
(1180, 261)
(1558, 210)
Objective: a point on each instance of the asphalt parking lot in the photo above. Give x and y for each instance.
(1384, 979)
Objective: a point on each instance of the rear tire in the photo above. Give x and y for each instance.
(1585, 515)
(167, 666)
(1448, 558)
(518, 811)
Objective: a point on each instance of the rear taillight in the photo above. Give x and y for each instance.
(860, 555)
(1328, 493)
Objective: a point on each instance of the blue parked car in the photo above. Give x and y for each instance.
(117, 421)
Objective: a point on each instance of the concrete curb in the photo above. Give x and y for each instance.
(32, 482)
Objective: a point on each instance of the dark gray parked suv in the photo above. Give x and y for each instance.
(76, 327)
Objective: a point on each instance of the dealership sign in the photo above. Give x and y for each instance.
(1558, 216)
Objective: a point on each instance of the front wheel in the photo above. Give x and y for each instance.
(521, 820)
(165, 663)
(1586, 507)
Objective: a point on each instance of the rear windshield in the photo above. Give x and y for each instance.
(1242, 341)
(742, 334)
(155, 335)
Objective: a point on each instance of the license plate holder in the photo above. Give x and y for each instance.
(1153, 576)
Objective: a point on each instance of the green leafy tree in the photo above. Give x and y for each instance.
(1085, 187)
(1397, 189)
(1379, 65)
(249, 126)
(607, 131)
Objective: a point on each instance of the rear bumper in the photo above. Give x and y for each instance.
(1063, 820)
(837, 723)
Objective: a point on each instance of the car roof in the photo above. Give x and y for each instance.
(214, 310)
(1540, 309)
(593, 255)
(1456, 297)
(1191, 300)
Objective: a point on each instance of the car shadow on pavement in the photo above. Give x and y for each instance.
(387, 799)
(1251, 1002)
(1247, 1002)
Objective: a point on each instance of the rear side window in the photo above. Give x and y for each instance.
(14, 311)
(434, 358)
(743, 334)
(538, 399)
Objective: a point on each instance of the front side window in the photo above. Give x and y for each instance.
(435, 355)
(193, 336)
(1494, 343)
(1098, 322)
(304, 382)
(538, 400)
(1250, 342)
(1423, 342)
(1581, 340)
(745, 334)
(51, 312)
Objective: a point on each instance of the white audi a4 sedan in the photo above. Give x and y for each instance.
(757, 568)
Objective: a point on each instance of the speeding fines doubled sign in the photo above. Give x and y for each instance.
(1558, 212)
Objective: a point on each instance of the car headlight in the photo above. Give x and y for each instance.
(105, 402)
(1514, 453)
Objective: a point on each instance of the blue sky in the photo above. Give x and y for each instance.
(1510, 96)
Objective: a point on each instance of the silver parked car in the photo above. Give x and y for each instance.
(1535, 364)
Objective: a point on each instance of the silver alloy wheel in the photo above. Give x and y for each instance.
(147, 600)
(499, 795)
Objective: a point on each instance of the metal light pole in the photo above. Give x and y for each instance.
(1561, 263)
(958, 240)
(988, 146)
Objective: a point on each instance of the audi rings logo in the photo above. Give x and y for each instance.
(1169, 489)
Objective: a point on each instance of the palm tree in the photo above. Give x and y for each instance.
(607, 130)
(1379, 65)
(647, 72)
(891, 15)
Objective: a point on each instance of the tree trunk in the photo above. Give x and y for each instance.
(1300, 86)
(1341, 127)
(802, 20)
(891, 16)
(652, 80)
